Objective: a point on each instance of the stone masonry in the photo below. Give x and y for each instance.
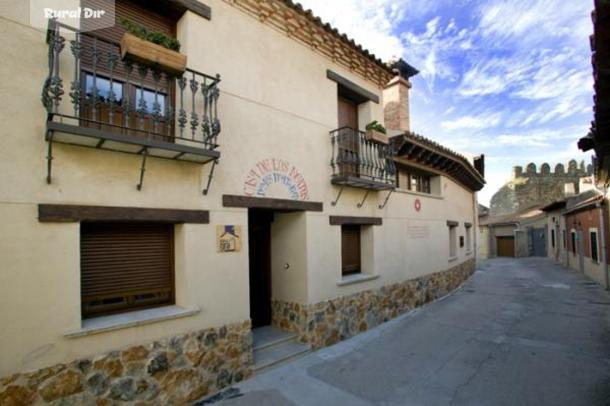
(326, 323)
(172, 371)
(531, 188)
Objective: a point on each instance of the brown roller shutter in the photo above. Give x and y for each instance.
(125, 267)
(350, 249)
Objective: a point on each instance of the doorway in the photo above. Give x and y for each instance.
(349, 137)
(505, 246)
(259, 248)
(537, 237)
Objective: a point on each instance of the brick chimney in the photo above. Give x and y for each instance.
(396, 97)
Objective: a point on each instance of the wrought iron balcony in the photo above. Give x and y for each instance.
(96, 98)
(359, 162)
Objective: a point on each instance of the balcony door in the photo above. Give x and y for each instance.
(348, 137)
(141, 102)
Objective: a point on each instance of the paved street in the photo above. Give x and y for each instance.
(519, 332)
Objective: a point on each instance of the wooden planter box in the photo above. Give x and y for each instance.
(147, 53)
(376, 136)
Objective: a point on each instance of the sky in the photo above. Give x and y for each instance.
(509, 79)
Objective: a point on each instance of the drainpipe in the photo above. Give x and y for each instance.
(602, 228)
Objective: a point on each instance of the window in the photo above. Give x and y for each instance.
(149, 100)
(468, 237)
(452, 239)
(553, 238)
(461, 241)
(103, 89)
(594, 252)
(102, 86)
(350, 249)
(573, 235)
(125, 267)
(411, 179)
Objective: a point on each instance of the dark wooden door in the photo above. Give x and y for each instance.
(348, 137)
(348, 113)
(259, 240)
(505, 246)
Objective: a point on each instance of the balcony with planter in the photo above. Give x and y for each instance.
(361, 159)
(134, 96)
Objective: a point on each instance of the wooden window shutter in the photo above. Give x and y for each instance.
(350, 249)
(126, 266)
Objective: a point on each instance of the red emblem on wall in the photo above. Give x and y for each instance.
(417, 205)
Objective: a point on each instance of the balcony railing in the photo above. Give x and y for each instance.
(359, 162)
(96, 98)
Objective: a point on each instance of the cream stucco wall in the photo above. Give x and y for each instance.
(408, 244)
(289, 257)
(276, 102)
(592, 269)
(483, 240)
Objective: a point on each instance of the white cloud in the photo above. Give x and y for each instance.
(542, 137)
(530, 22)
(432, 49)
(472, 122)
(478, 82)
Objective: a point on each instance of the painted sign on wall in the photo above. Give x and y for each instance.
(228, 238)
(275, 177)
(418, 229)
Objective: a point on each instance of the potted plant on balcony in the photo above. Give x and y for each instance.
(152, 48)
(376, 132)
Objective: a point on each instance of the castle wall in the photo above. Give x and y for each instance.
(535, 187)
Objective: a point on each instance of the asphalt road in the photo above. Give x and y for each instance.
(519, 332)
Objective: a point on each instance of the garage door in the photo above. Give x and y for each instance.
(506, 246)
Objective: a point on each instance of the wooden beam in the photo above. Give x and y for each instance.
(352, 87)
(421, 156)
(438, 159)
(195, 6)
(270, 203)
(341, 220)
(67, 213)
(431, 157)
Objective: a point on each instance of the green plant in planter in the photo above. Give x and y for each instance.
(158, 38)
(376, 126)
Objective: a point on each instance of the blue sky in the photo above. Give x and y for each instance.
(510, 79)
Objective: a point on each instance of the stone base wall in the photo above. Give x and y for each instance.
(171, 371)
(331, 321)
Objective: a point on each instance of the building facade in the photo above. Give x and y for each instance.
(153, 216)
(521, 234)
(577, 234)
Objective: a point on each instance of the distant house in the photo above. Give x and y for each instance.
(577, 234)
(519, 234)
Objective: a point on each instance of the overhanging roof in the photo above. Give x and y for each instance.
(558, 205)
(425, 152)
